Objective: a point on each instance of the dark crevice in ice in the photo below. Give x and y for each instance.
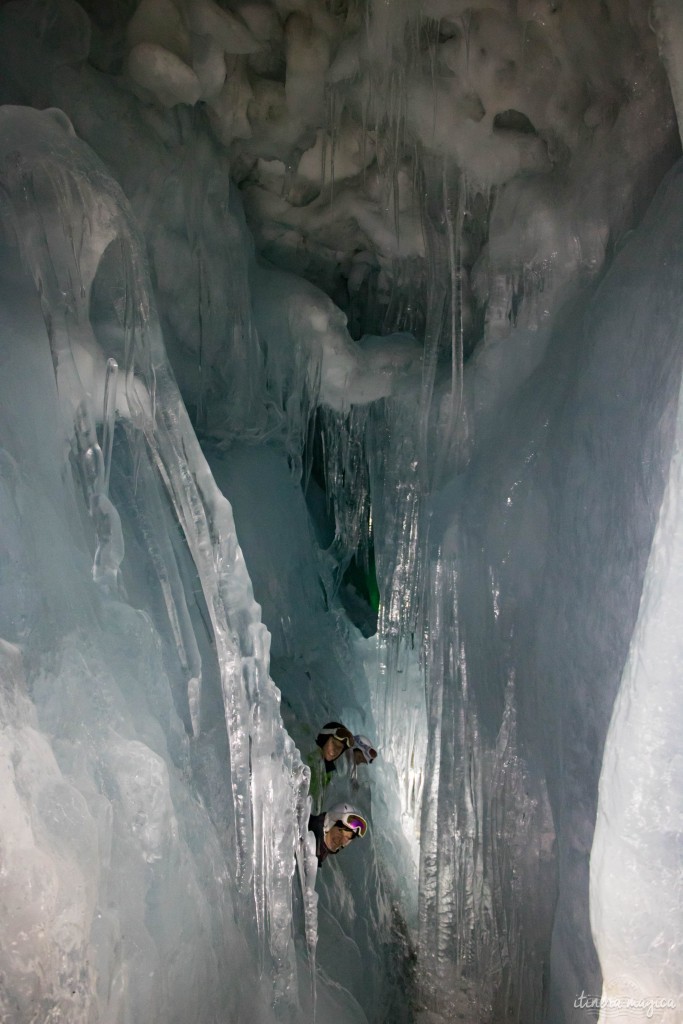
(513, 121)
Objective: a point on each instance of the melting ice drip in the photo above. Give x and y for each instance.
(65, 211)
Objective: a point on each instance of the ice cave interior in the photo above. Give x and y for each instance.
(340, 365)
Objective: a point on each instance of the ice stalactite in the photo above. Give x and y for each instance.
(109, 418)
(307, 868)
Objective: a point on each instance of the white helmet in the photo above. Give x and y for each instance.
(348, 816)
(365, 747)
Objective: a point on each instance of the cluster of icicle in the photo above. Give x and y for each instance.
(65, 211)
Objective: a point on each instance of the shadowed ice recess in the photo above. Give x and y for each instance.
(340, 379)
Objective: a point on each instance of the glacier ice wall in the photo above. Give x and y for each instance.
(636, 849)
(548, 550)
(61, 213)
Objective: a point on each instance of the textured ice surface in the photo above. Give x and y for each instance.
(56, 184)
(636, 869)
(102, 864)
(550, 525)
(636, 850)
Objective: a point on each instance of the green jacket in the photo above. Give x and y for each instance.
(320, 779)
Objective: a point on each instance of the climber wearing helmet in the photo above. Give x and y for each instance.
(335, 829)
(332, 740)
(363, 751)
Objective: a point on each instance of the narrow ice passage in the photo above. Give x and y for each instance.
(340, 361)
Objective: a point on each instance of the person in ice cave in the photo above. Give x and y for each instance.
(335, 829)
(362, 752)
(331, 742)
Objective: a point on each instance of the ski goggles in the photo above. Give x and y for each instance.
(354, 822)
(368, 752)
(340, 733)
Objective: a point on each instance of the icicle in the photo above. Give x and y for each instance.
(109, 419)
(449, 425)
(307, 869)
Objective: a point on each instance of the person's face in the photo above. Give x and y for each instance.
(337, 838)
(332, 749)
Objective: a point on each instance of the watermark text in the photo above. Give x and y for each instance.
(647, 1006)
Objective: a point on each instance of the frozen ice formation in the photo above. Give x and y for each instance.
(294, 317)
(177, 51)
(340, 365)
(538, 102)
(55, 188)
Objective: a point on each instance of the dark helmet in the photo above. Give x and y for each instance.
(339, 731)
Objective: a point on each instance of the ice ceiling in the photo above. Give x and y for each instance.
(371, 313)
